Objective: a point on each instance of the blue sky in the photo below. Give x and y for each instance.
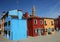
(44, 8)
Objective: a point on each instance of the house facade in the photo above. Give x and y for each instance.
(35, 26)
(49, 26)
(57, 23)
(15, 27)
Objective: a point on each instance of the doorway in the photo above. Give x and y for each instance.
(39, 31)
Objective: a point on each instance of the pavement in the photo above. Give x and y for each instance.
(46, 38)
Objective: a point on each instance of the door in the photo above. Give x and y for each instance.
(8, 34)
(39, 31)
(49, 30)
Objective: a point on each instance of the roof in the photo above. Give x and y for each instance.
(47, 18)
(39, 17)
(4, 14)
(33, 17)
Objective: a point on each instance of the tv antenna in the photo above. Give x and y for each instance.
(17, 2)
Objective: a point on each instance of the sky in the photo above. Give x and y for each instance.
(44, 8)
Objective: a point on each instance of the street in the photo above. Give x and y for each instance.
(46, 38)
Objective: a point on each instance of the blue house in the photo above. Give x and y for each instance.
(15, 27)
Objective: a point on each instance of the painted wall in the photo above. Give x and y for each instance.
(48, 22)
(16, 13)
(18, 29)
(20, 14)
(13, 12)
(32, 26)
(49, 26)
(59, 22)
(38, 25)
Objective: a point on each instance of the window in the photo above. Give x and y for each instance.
(5, 24)
(41, 22)
(51, 22)
(5, 31)
(8, 32)
(49, 29)
(35, 21)
(8, 23)
(45, 22)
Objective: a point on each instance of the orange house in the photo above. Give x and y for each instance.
(49, 25)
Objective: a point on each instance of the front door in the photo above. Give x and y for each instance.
(39, 31)
(8, 34)
(49, 31)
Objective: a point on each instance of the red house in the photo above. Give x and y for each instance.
(35, 24)
(57, 23)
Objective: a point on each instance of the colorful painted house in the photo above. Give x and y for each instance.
(49, 25)
(57, 23)
(35, 24)
(15, 27)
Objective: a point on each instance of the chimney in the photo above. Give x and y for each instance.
(26, 15)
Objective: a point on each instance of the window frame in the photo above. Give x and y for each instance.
(41, 22)
(35, 21)
(5, 24)
(52, 23)
(8, 23)
(45, 23)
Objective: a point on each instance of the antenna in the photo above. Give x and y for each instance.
(17, 1)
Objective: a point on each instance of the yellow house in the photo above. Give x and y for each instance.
(49, 26)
